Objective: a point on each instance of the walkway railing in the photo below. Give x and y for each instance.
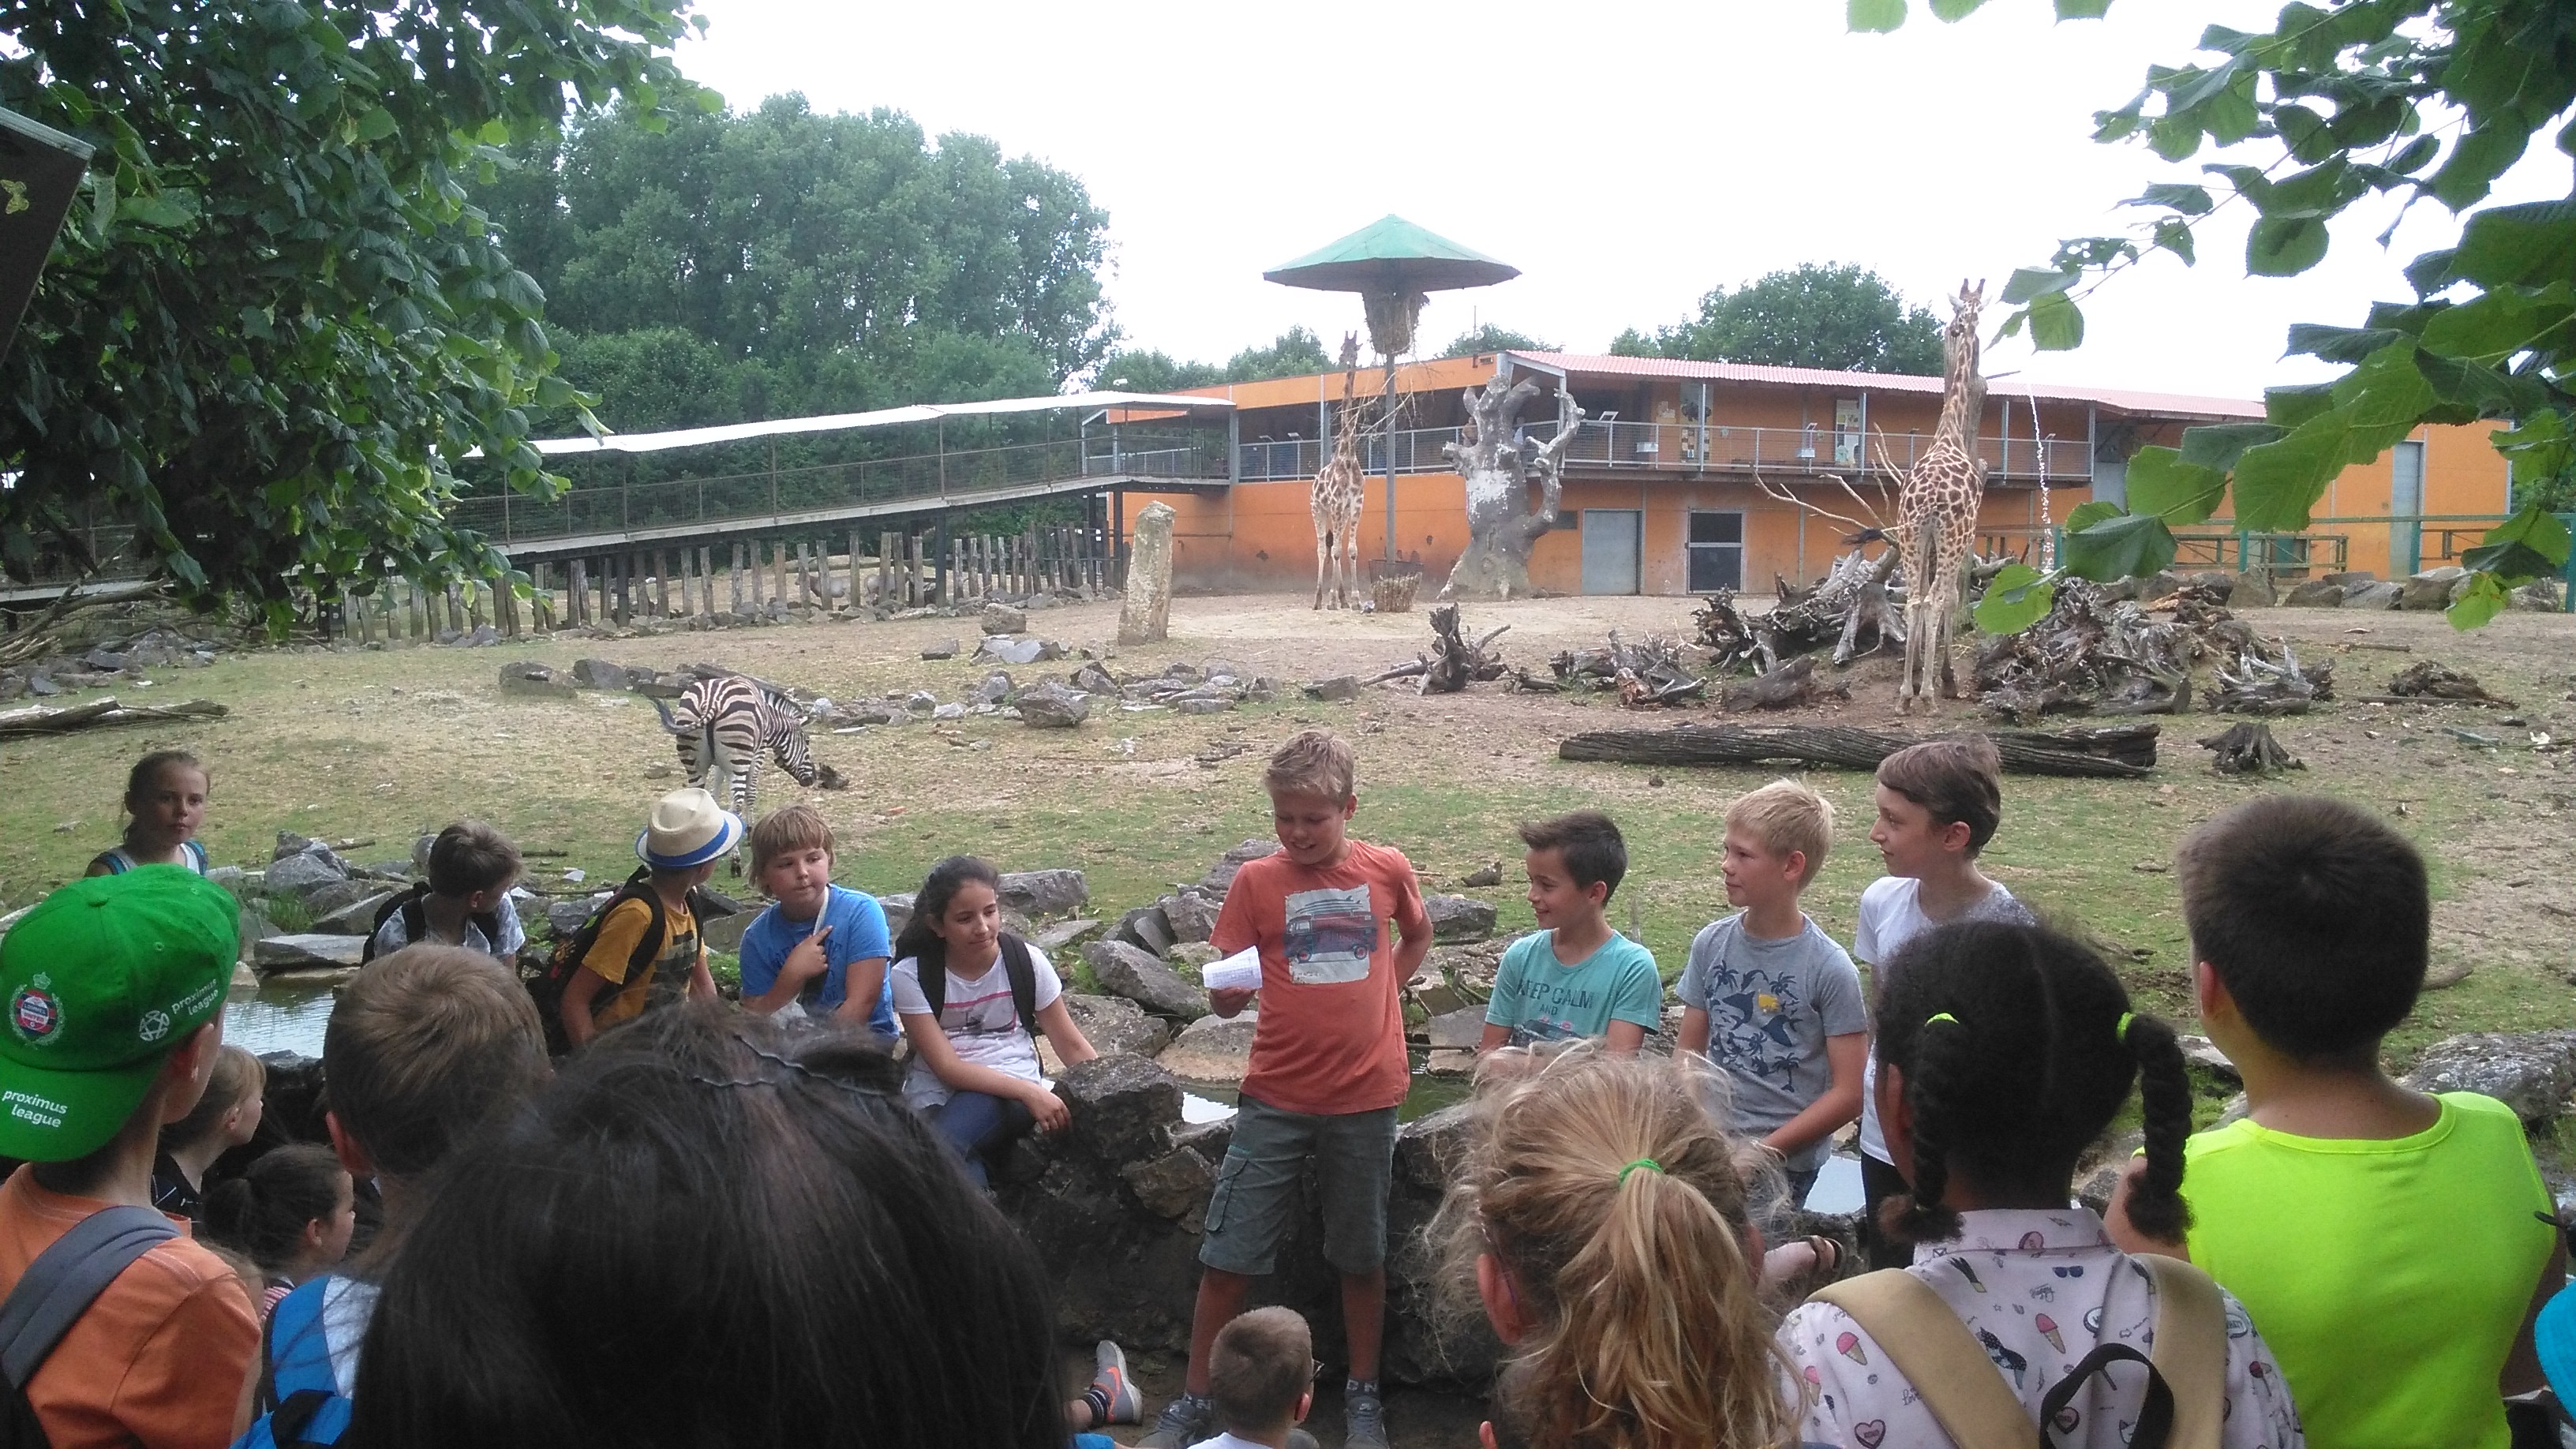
(1689, 448)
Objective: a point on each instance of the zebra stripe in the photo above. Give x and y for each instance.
(724, 726)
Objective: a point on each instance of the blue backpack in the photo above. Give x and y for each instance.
(300, 1399)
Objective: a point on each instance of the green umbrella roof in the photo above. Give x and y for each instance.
(1391, 255)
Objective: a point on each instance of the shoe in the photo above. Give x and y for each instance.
(1181, 1424)
(1126, 1403)
(1363, 1422)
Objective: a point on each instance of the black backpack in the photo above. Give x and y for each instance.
(546, 982)
(52, 1295)
(415, 918)
(1023, 972)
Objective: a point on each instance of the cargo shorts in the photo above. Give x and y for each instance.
(1256, 1187)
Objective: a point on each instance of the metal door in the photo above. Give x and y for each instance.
(1611, 543)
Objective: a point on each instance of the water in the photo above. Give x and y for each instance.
(279, 1019)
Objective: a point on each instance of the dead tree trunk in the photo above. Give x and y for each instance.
(1498, 468)
(2247, 748)
(2112, 751)
(1793, 683)
(1853, 602)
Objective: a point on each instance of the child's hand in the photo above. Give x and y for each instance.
(807, 960)
(1052, 1114)
(1229, 1001)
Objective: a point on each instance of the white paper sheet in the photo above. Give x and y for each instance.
(1238, 972)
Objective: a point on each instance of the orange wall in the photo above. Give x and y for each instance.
(2463, 476)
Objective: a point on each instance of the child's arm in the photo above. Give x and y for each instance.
(574, 1008)
(1624, 1036)
(859, 992)
(1070, 1044)
(702, 982)
(2522, 1366)
(1413, 926)
(1693, 1036)
(1504, 1009)
(1636, 1007)
(1496, 1035)
(1840, 1103)
(788, 977)
(2124, 1233)
(931, 1045)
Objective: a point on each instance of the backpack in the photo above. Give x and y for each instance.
(299, 1397)
(546, 982)
(52, 1295)
(1023, 972)
(2186, 1402)
(415, 919)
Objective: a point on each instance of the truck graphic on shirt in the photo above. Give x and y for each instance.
(1331, 935)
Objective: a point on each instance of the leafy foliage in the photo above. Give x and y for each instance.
(1293, 353)
(1490, 338)
(281, 317)
(2340, 97)
(1839, 317)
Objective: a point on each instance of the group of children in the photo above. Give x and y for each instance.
(2351, 1264)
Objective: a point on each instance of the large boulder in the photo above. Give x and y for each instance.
(1220, 876)
(301, 875)
(1145, 614)
(1459, 918)
(1053, 706)
(2254, 590)
(600, 674)
(1192, 916)
(332, 897)
(358, 916)
(1123, 1108)
(2531, 1072)
(1459, 1030)
(2430, 589)
(1045, 892)
(1341, 687)
(530, 679)
(2377, 594)
(307, 951)
(1126, 970)
(1212, 1049)
(2314, 594)
(1175, 1185)
(1147, 928)
(1003, 619)
(1116, 1026)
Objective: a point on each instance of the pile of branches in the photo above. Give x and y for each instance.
(2267, 678)
(1453, 663)
(1647, 675)
(2425, 679)
(1855, 602)
(2091, 654)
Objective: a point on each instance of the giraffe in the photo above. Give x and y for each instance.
(1335, 499)
(1936, 510)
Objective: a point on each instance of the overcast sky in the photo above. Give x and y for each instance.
(1626, 157)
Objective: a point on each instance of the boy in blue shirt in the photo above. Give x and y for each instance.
(820, 948)
(1574, 977)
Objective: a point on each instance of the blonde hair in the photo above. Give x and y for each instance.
(1785, 816)
(1313, 762)
(1261, 1364)
(787, 829)
(1618, 1213)
(237, 1077)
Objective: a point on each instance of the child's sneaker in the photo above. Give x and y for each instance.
(1184, 1421)
(1125, 1404)
(1363, 1420)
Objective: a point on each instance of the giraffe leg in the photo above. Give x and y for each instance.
(1323, 557)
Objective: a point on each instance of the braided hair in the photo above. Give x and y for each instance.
(2017, 1048)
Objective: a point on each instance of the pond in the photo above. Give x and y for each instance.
(278, 1018)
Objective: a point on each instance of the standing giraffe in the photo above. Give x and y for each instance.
(1936, 510)
(1335, 500)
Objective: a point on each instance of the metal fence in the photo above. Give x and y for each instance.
(1683, 447)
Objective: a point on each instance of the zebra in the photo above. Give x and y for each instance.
(724, 725)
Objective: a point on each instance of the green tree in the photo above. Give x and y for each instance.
(1153, 371)
(1840, 317)
(1490, 338)
(2416, 98)
(280, 320)
(1293, 353)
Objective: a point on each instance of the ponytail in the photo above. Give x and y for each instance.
(263, 1213)
(1944, 1059)
(2155, 1203)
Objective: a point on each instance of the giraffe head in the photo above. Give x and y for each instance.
(1959, 340)
(1350, 350)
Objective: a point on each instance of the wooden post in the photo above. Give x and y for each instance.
(606, 613)
(733, 584)
(778, 570)
(707, 582)
(662, 583)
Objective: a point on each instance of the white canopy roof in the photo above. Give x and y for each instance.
(881, 418)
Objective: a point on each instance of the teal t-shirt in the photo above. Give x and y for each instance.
(1542, 999)
(2390, 1278)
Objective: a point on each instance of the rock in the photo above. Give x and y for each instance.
(1339, 687)
(106, 659)
(2531, 1072)
(654, 686)
(1003, 619)
(42, 686)
(2540, 596)
(2374, 595)
(526, 677)
(1202, 704)
(993, 688)
(724, 933)
(1212, 1049)
(1484, 875)
(1116, 1026)
(1191, 915)
(1459, 918)
(2200, 1051)
(2349, 578)
(304, 952)
(1449, 1062)
(1056, 937)
(921, 702)
(1124, 1107)
(1044, 892)
(599, 674)
(944, 649)
(1127, 970)
(1192, 956)
(358, 917)
(245, 980)
(1432, 992)
(2315, 594)
(1220, 876)
(1012, 651)
(2219, 586)
(1052, 706)
(1147, 927)
(1263, 690)
(951, 711)
(230, 877)
(298, 874)
(898, 912)
(1226, 671)
(565, 917)
(1458, 1030)
(421, 846)
(1145, 615)
(1175, 1185)
(2254, 590)
(332, 897)
(290, 843)
(1092, 679)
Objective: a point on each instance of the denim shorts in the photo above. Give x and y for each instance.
(1256, 1188)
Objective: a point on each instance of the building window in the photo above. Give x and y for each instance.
(1716, 551)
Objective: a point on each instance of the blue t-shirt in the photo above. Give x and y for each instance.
(858, 933)
(1542, 999)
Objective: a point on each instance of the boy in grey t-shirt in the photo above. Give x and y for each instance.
(1768, 996)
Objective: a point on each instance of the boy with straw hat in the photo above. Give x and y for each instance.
(624, 974)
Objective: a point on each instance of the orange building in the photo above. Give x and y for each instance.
(1670, 485)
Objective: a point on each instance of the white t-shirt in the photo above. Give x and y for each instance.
(983, 1025)
(514, 937)
(1227, 1441)
(1889, 917)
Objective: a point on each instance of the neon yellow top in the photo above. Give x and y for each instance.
(2390, 1278)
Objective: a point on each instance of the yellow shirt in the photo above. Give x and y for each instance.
(665, 978)
(2389, 1277)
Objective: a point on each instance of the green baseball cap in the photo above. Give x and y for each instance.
(98, 985)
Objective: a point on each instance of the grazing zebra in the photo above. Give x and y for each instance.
(723, 726)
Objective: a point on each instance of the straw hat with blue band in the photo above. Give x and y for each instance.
(688, 829)
(98, 985)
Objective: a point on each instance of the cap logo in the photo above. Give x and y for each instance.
(154, 1026)
(34, 1013)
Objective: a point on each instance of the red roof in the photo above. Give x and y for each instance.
(2118, 399)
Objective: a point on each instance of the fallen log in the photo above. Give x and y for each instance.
(2248, 748)
(2123, 751)
(100, 713)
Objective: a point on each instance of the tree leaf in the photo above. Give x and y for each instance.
(2174, 235)
(2017, 597)
(2122, 546)
(2056, 323)
(1874, 17)
(2501, 323)
(2163, 485)
(2484, 598)
(2284, 246)
(2531, 245)
(2277, 483)
(2529, 545)
(375, 125)
(2181, 196)
(2082, 9)
(2287, 407)
(2217, 446)
(2029, 283)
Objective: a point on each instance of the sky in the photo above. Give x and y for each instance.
(1627, 157)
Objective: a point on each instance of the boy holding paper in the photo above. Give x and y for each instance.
(1574, 977)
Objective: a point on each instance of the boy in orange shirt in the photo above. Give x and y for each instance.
(114, 992)
(1328, 1070)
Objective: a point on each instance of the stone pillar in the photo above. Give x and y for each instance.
(1145, 617)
